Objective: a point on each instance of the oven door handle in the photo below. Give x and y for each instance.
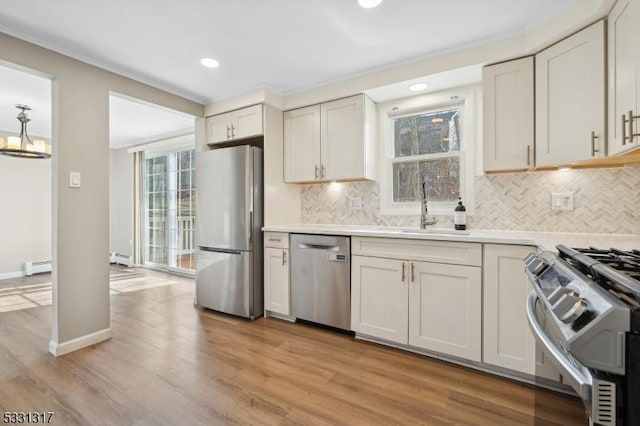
(579, 382)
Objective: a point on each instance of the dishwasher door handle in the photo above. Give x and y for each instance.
(318, 246)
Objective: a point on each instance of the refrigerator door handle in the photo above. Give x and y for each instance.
(250, 227)
(219, 250)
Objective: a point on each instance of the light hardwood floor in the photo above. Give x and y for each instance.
(171, 363)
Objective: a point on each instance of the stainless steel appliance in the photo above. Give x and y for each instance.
(321, 279)
(228, 230)
(585, 312)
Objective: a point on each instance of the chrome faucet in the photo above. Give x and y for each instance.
(425, 219)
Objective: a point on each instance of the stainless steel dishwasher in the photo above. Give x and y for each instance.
(321, 279)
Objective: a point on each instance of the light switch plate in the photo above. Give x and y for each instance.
(75, 180)
(562, 201)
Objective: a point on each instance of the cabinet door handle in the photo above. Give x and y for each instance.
(284, 257)
(624, 130)
(528, 155)
(631, 134)
(593, 144)
(233, 135)
(228, 132)
(321, 170)
(630, 120)
(403, 272)
(316, 171)
(413, 270)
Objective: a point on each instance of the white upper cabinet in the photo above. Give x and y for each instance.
(508, 108)
(330, 141)
(342, 135)
(624, 76)
(302, 144)
(570, 99)
(235, 125)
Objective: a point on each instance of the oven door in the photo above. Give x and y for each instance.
(573, 373)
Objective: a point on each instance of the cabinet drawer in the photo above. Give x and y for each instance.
(425, 250)
(276, 240)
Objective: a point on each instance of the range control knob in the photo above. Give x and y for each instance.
(535, 264)
(569, 308)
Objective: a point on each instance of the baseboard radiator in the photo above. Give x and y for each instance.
(120, 259)
(31, 268)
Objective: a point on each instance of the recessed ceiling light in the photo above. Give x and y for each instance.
(418, 87)
(209, 63)
(368, 4)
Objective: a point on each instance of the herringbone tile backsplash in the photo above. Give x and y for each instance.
(606, 201)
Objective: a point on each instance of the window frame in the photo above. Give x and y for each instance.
(459, 98)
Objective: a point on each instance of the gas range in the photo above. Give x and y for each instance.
(585, 312)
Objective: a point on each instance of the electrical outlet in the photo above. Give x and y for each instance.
(562, 201)
(356, 203)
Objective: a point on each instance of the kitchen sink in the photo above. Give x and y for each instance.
(434, 231)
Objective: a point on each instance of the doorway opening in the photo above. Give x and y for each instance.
(152, 186)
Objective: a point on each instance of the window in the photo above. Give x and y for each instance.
(426, 136)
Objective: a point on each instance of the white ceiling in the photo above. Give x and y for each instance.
(17, 87)
(282, 45)
(132, 122)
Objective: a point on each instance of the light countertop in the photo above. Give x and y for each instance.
(544, 240)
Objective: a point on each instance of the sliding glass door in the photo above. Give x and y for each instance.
(170, 210)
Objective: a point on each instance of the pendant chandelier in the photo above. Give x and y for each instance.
(22, 146)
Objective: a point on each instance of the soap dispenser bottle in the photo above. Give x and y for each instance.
(460, 216)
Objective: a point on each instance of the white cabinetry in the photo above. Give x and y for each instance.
(379, 292)
(508, 108)
(302, 144)
(570, 99)
(276, 273)
(445, 305)
(624, 76)
(426, 294)
(507, 340)
(235, 125)
(330, 141)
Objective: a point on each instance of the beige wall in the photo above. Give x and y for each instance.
(80, 229)
(25, 216)
(121, 201)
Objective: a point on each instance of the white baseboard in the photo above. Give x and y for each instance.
(59, 349)
(7, 275)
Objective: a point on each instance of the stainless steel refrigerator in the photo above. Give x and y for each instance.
(228, 230)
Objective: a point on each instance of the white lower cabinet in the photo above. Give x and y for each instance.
(445, 309)
(428, 305)
(379, 294)
(507, 340)
(276, 273)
